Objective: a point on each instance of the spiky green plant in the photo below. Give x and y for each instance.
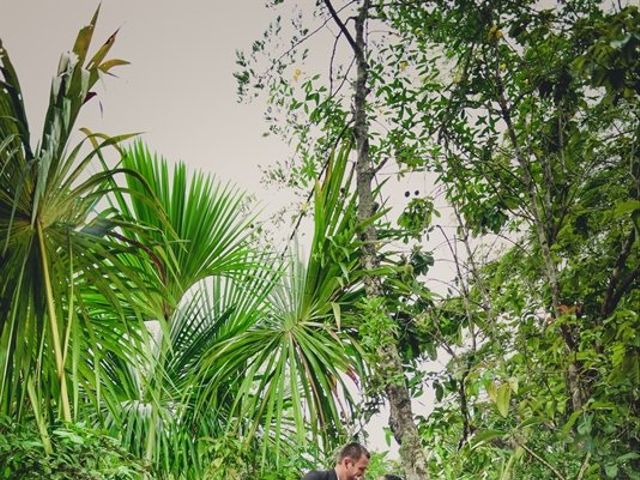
(292, 366)
(56, 250)
(252, 349)
(213, 285)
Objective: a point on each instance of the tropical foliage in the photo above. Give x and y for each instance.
(78, 452)
(526, 117)
(147, 332)
(53, 241)
(135, 300)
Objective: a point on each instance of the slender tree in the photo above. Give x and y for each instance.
(390, 368)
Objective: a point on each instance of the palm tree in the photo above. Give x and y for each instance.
(55, 249)
(197, 251)
(253, 346)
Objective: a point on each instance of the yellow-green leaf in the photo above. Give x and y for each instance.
(503, 398)
(336, 313)
(492, 391)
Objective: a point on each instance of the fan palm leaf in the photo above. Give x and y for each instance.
(157, 417)
(213, 286)
(209, 225)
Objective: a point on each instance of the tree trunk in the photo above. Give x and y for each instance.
(391, 370)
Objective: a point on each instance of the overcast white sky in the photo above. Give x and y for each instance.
(179, 88)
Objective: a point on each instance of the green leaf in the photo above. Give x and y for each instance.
(388, 436)
(503, 398)
(492, 391)
(109, 64)
(336, 314)
(628, 206)
(566, 428)
(439, 391)
(628, 456)
(485, 436)
(531, 422)
(611, 470)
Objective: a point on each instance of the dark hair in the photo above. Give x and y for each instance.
(354, 451)
(388, 476)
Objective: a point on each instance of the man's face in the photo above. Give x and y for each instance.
(356, 468)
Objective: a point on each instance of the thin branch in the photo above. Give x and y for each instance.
(625, 283)
(609, 303)
(344, 79)
(333, 56)
(543, 461)
(306, 37)
(343, 28)
(584, 466)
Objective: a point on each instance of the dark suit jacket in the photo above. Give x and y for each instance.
(321, 475)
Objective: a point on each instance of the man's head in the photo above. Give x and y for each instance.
(352, 461)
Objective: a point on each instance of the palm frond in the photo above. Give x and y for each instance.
(290, 368)
(208, 222)
(48, 198)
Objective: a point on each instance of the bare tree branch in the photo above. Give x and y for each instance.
(356, 48)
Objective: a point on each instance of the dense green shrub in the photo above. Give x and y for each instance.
(79, 453)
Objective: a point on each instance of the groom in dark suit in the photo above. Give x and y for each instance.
(350, 465)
